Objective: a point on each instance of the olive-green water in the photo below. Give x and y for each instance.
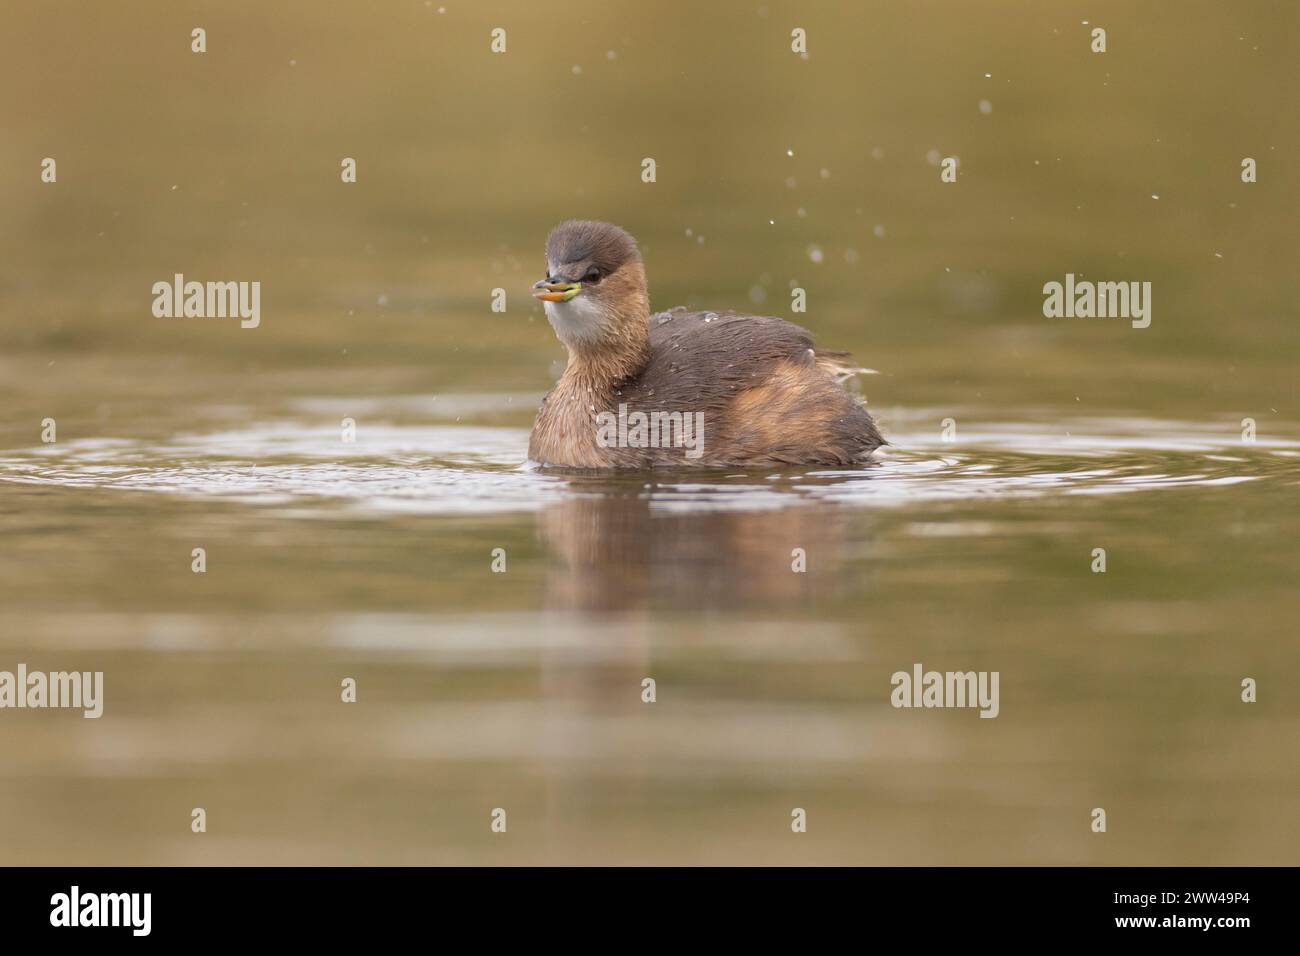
(1021, 444)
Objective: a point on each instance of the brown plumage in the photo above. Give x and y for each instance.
(717, 389)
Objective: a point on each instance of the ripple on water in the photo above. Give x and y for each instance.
(455, 468)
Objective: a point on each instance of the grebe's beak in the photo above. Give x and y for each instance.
(549, 291)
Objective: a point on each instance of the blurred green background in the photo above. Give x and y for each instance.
(225, 165)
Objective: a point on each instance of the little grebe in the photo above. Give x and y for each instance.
(680, 388)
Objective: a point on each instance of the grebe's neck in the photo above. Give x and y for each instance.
(601, 370)
(621, 346)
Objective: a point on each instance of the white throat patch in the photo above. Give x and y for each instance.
(578, 321)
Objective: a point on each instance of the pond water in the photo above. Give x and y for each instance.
(522, 688)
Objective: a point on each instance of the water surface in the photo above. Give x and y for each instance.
(522, 689)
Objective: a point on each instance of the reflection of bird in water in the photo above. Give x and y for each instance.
(716, 388)
(613, 552)
(617, 570)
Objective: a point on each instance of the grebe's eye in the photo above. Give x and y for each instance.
(592, 276)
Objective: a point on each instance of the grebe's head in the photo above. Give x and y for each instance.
(595, 288)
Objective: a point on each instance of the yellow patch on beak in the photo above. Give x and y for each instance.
(556, 291)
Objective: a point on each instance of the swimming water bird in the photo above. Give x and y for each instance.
(679, 388)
